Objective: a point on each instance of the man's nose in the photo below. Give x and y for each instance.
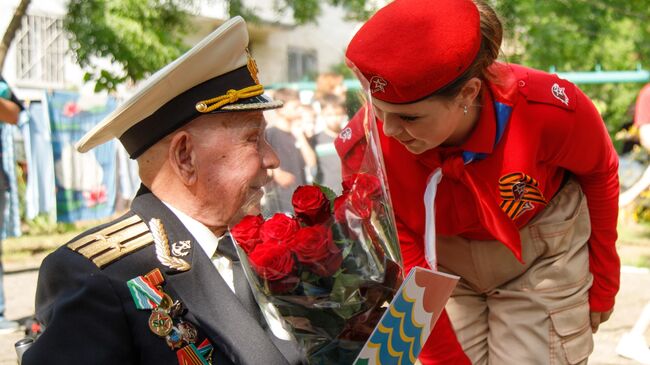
(270, 159)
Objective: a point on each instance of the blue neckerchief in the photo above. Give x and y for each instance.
(503, 113)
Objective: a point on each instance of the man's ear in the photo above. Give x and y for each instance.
(182, 157)
(470, 91)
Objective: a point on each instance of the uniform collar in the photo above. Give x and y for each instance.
(203, 235)
(482, 138)
(498, 100)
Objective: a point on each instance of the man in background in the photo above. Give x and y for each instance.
(287, 137)
(333, 116)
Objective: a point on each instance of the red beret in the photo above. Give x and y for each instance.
(412, 48)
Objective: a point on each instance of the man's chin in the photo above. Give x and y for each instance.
(252, 206)
(253, 210)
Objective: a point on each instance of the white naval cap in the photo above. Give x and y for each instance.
(217, 75)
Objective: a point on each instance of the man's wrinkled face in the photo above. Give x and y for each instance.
(232, 158)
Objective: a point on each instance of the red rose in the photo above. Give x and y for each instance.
(330, 265)
(247, 232)
(364, 184)
(280, 228)
(340, 207)
(362, 190)
(310, 204)
(361, 204)
(271, 261)
(315, 248)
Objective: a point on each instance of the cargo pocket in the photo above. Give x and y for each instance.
(572, 329)
(560, 228)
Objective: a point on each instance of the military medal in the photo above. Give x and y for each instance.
(147, 294)
(174, 339)
(160, 322)
(188, 332)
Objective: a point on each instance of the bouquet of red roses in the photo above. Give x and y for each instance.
(329, 269)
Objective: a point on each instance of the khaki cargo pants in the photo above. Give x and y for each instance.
(505, 312)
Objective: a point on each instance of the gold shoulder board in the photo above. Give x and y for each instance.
(113, 242)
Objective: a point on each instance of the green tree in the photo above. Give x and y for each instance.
(138, 36)
(578, 35)
(141, 36)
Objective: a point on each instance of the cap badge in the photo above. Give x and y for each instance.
(377, 84)
(252, 67)
(559, 94)
(346, 134)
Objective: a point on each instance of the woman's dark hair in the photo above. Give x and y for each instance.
(491, 36)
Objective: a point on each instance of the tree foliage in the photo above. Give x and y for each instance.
(580, 35)
(137, 36)
(141, 36)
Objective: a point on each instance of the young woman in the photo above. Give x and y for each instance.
(521, 172)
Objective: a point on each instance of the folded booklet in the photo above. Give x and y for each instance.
(408, 322)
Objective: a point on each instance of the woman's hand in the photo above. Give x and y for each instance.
(599, 317)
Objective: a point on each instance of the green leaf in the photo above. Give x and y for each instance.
(346, 292)
(347, 249)
(329, 194)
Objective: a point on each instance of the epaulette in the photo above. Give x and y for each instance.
(541, 87)
(113, 242)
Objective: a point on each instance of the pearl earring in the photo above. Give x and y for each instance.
(465, 109)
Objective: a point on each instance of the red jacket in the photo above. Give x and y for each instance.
(549, 127)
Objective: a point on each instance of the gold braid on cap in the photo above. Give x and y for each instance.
(231, 96)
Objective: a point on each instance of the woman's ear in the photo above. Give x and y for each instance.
(182, 158)
(470, 91)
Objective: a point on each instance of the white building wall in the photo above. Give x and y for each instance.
(328, 37)
(31, 90)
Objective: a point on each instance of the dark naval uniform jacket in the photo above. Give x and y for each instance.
(90, 316)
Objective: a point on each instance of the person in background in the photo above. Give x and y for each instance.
(10, 109)
(642, 116)
(501, 174)
(633, 344)
(640, 134)
(297, 158)
(163, 283)
(330, 83)
(308, 120)
(333, 117)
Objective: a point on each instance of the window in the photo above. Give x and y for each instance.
(303, 64)
(40, 50)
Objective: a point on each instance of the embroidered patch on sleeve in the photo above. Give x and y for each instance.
(519, 191)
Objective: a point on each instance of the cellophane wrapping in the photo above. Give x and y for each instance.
(326, 273)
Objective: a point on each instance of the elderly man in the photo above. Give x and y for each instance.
(157, 286)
